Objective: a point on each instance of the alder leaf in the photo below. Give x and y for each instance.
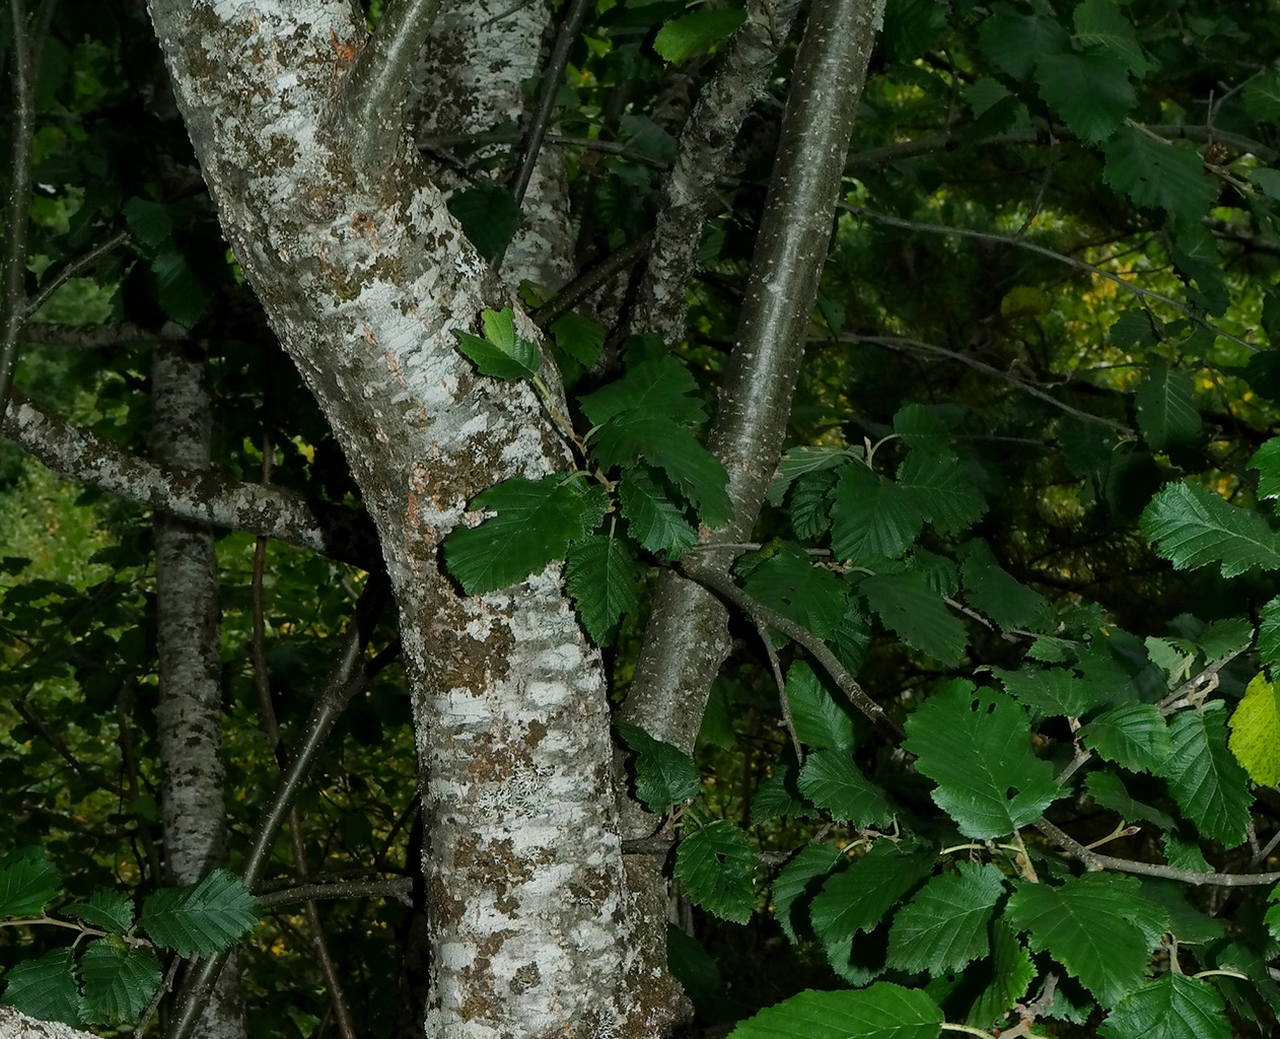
(108, 910)
(46, 988)
(1267, 461)
(665, 775)
(1133, 735)
(536, 522)
(28, 882)
(1255, 732)
(119, 981)
(1204, 777)
(797, 879)
(1011, 972)
(820, 721)
(1099, 926)
(1269, 634)
(201, 920)
(1159, 174)
(858, 898)
(1090, 91)
(941, 490)
(716, 866)
(1192, 527)
(1173, 1006)
(659, 386)
(788, 582)
(1016, 38)
(907, 605)
(501, 353)
(601, 577)
(653, 518)
(945, 926)
(1102, 23)
(831, 781)
(881, 1011)
(993, 591)
(975, 744)
(872, 516)
(692, 34)
(1167, 411)
(1109, 792)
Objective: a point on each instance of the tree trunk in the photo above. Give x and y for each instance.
(189, 722)
(363, 274)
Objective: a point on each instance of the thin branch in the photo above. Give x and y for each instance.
(1057, 257)
(73, 268)
(379, 82)
(204, 497)
(590, 280)
(552, 77)
(19, 201)
(1198, 685)
(1094, 861)
(398, 888)
(781, 683)
(92, 337)
(723, 586)
(345, 680)
(907, 343)
(93, 778)
(147, 1014)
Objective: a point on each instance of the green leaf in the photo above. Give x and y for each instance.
(1267, 461)
(805, 459)
(1184, 854)
(692, 34)
(179, 290)
(1109, 792)
(119, 981)
(907, 605)
(501, 354)
(1133, 735)
(882, 1011)
(150, 223)
(1167, 411)
(489, 217)
(671, 447)
(653, 519)
(1090, 91)
(993, 591)
(976, 745)
(716, 867)
(1011, 973)
(202, 920)
(46, 988)
(778, 796)
(601, 576)
(108, 910)
(1052, 690)
(858, 898)
(1016, 39)
(1273, 913)
(941, 490)
(1101, 23)
(536, 522)
(1255, 732)
(1269, 634)
(28, 882)
(660, 386)
(665, 775)
(1191, 527)
(1159, 174)
(809, 504)
(921, 426)
(1088, 925)
(1261, 97)
(1173, 1006)
(1187, 923)
(799, 878)
(872, 517)
(789, 583)
(945, 925)
(1206, 781)
(579, 337)
(1134, 328)
(820, 721)
(831, 780)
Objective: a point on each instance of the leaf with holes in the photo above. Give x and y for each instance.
(945, 926)
(716, 866)
(975, 744)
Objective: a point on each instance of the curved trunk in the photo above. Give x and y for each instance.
(363, 273)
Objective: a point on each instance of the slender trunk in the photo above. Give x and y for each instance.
(189, 724)
(363, 274)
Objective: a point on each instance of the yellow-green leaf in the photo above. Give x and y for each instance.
(1255, 732)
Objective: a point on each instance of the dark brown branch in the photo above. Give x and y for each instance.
(72, 268)
(91, 337)
(398, 888)
(590, 280)
(204, 497)
(19, 201)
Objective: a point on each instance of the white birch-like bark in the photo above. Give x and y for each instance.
(363, 273)
(188, 621)
(17, 1025)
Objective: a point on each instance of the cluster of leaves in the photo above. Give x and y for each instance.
(112, 978)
